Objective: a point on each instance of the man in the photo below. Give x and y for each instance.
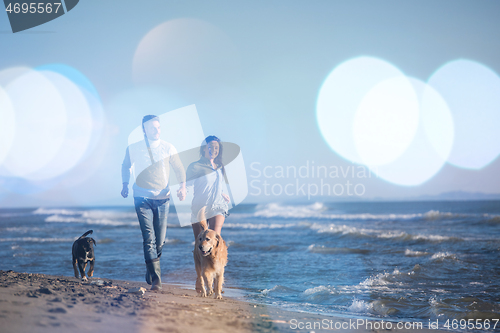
(151, 159)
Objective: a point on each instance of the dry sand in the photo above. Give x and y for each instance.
(42, 303)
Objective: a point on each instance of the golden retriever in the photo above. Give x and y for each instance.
(210, 258)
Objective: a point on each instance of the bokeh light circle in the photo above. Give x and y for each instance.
(9, 74)
(403, 129)
(386, 121)
(79, 128)
(340, 96)
(54, 120)
(430, 147)
(185, 53)
(40, 123)
(472, 92)
(7, 124)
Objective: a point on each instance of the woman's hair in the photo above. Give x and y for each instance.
(218, 159)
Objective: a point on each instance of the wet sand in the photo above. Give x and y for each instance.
(43, 303)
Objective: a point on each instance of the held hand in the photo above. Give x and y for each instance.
(226, 197)
(125, 191)
(181, 193)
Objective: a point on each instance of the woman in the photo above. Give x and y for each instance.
(206, 176)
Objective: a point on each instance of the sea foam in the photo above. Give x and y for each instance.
(360, 306)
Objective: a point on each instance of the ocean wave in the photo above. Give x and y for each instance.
(360, 306)
(260, 249)
(491, 217)
(99, 214)
(463, 308)
(50, 211)
(319, 290)
(406, 236)
(395, 235)
(436, 238)
(440, 291)
(342, 229)
(381, 279)
(383, 307)
(274, 210)
(320, 294)
(315, 211)
(277, 289)
(385, 234)
(436, 214)
(38, 240)
(95, 214)
(320, 211)
(14, 214)
(440, 256)
(397, 277)
(22, 229)
(476, 283)
(335, 250)
(260, 225)
(68, 219)
(411, 253)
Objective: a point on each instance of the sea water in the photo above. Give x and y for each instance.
(415, 261)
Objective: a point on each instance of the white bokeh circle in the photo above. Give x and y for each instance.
(472, 92)
(7, 124)
(40, 123)
(431, 144)
(54, 120)
(93, 100)
(403, 129)
(340, 96)
(78, 128)
(386, 121)
(9, 74)
(183, 53)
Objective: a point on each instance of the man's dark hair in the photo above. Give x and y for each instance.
(148, 118)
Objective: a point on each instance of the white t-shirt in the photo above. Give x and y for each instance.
(138, 162)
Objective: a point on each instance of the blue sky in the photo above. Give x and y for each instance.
(254, 70)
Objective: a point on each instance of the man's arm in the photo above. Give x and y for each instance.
(178, 167)
(126, 166)
(124, 192)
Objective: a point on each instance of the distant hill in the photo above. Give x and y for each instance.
(458, 196)
(445, 196)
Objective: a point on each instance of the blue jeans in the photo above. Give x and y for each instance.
(152, 216)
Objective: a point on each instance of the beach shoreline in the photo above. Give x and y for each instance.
(45, 303)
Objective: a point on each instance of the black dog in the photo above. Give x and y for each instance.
(83, 252)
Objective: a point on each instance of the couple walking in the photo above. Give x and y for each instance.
(152, 158)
